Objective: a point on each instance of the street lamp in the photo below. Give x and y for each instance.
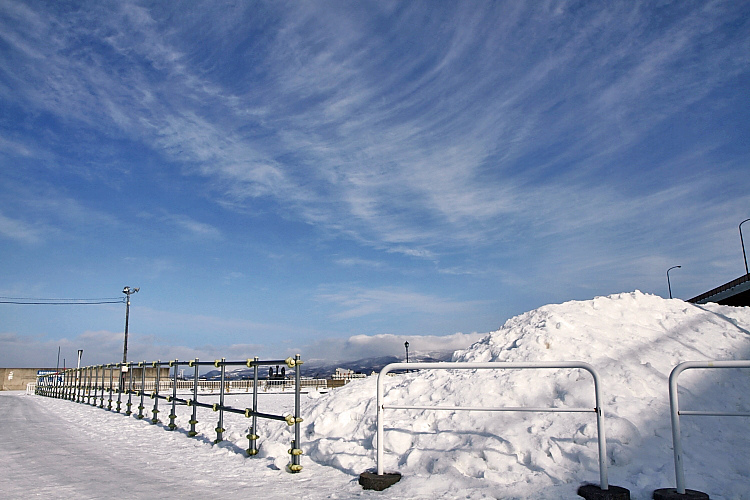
(743, 246)
(128, 292)
(406, 344)
(669, 285)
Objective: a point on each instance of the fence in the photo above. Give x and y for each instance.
(674, 409)
(604, 484)
(95, 382)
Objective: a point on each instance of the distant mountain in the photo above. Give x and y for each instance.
(324, 369)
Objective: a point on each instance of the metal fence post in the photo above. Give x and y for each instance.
(89, 370)
(120, 383)
(194, 418)
(142, 364)
(252, 436)
(155, 394)
(173, 415)
(220, 426)
(296, 451)
(101, 397)
(129, 404)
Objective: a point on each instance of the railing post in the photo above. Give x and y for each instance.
(111, 381)
(129, 404)
(101, 397)
(220, 426)
(89, 370)
(296, 451)
(252, 436)
(155, 394)
(142, 365)
(194, 418)
(173, 415)
(120, 383)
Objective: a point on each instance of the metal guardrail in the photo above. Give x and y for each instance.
(604, 484)
(675, 411)
(94, 382)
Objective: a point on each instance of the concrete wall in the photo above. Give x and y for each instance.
(15, 379)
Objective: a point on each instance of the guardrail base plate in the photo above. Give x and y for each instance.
(378, 482)
(594, 492)
(671, 494)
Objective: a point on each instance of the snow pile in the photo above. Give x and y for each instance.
(632, 339)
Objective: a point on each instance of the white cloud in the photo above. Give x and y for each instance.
(371, 346)
(355, 302)
(19, 230)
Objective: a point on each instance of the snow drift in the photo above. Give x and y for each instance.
(632, 339)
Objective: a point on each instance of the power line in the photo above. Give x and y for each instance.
(60, 302)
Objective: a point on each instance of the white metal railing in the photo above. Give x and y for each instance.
(604, 484)
(30, 388)
(674, 409)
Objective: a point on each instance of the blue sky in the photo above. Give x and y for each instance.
(332, 178)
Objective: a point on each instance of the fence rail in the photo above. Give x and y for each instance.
(674, 408)
(93, 383)
(604, 484)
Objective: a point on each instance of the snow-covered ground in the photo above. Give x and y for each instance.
(58, 449)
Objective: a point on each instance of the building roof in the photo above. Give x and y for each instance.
(733, 293)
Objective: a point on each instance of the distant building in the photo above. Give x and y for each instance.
(346, 374)
(734, 293)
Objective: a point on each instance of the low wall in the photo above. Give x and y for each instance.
(15, 379)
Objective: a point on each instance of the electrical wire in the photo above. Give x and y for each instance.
(61, 302)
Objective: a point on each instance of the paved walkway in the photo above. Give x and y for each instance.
(44, 456)
(46, 452)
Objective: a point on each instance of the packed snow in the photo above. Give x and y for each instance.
(633, 340)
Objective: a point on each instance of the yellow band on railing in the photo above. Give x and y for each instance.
(215, 407)
(189, 402)
(294, 467)
(294, 451)
(216, 363)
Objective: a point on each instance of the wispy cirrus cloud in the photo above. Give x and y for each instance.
(449, 143)
(356, 302)
(19, 230)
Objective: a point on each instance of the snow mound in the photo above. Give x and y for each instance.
(633, 340)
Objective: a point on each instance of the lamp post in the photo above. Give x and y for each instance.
(406, 345)
(743, 246)
(128, 292)
(669, 285)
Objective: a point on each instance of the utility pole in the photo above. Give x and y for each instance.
(128, 292)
